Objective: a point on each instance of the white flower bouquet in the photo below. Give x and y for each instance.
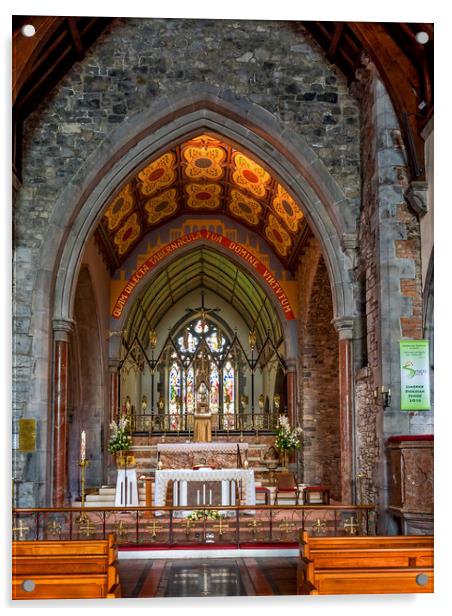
(287, 438)
(120, 438)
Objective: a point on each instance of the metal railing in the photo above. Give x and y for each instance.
(168, 526)
(222, 423)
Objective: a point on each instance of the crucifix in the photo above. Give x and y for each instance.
(202, 310)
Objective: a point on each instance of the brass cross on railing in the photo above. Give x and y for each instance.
(286, 527)
(21, 529)
(187, 528)
(53, 528)
(255, 526)
(154, 527)
(85, 526)
(350, 526)
(121, 528)
(319, 526)
(221, 527)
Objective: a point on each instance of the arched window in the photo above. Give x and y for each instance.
(190, 390)
(214, 389)
(174, 394)
(228, 395)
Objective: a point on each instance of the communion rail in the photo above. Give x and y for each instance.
(234, 526)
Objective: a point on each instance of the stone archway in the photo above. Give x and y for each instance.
(144, 136)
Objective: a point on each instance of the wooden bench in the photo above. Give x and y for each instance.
(365, 565)
(65, 569)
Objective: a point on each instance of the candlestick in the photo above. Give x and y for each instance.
(83, 446)
(83, 464)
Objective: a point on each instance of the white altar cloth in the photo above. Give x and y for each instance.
(192, 447)
(226, 475)
(126, 488)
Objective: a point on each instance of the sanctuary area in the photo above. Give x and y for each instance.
(223, 307)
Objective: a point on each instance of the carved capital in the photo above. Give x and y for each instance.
(113, 365)
(416, 197)
(62, 328)
(344, 327)
(291, 364)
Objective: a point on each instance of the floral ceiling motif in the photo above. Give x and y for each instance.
(203, 174)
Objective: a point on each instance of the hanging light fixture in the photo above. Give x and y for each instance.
(152, 338)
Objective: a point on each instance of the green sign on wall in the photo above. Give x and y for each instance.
(414, 375)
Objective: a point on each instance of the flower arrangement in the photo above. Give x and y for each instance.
(204, 514)
(286, 437)
(120, 438)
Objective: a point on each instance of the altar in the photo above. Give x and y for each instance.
(229, 478)
(188, 455)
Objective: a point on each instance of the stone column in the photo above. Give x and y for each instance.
(344, 327)
(61, 331)
(113, 365)
(292, 406)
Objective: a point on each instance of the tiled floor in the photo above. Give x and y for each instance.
(208, 577)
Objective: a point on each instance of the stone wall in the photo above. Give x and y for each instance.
(389, 265)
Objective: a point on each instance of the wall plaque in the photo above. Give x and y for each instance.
(27, 435)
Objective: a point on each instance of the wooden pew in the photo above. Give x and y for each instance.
(365, 565)
(65, 569)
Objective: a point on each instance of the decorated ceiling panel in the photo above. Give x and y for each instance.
(202, 175)
(204, 269)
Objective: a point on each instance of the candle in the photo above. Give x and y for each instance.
(83, 446)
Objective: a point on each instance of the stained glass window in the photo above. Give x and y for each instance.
(199, 328)
(190, 390)
(174, 394)
(228, 395)
(214, 388)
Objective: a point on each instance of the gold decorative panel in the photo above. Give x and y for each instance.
(162, 206)
(278, 236)
(287, 209)
(158, 174)
(244, 207)
(250, 175)
(204, 162)
(203, 196)
(120, 207)
(127, 234)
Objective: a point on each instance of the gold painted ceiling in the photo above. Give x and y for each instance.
(201, 176)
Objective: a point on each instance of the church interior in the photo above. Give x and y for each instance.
(222, 307)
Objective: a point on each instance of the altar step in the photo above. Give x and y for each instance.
(105, 497)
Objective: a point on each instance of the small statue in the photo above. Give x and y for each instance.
(128, 405)
(144, 404)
